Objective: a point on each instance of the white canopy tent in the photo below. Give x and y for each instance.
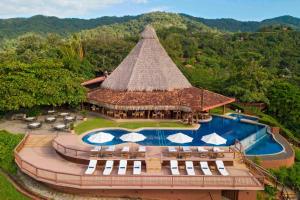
(101, 137)
(133, 137)
(180, 138)
(213, 138)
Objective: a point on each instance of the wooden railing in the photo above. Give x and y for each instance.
(143, 181)
(135, 181)
(254, 168)
(86, 154)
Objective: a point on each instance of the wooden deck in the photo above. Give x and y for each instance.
(43, 163)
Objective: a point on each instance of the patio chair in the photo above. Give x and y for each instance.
(137, 167)
(202, 151)
(174, 167)
(122, 167)
(96, 150)
(172, 151)
(189, 166)
(110, 150)
(217, 149)
(91, 167)
(108, 167)
(142, 151)
(187, 151)
(205, 168)
(221, 168)
(125, 151)
(218, 152)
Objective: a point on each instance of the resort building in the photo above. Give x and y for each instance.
(148, 84)
(184, 163)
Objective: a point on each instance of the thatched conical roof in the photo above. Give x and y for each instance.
(148, 67)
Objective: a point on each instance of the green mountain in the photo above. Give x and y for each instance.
(14, 27)
(232, 25)
(10, 28)
(43, 24)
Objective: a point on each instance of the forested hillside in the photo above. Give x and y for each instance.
(232, 25)
(40, 24)
(47, 69)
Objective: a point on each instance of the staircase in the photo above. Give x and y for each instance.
(39, 141)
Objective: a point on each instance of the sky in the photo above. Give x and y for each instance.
(245, 10)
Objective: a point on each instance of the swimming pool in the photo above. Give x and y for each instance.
(227, 128)
(267, 145)
(241, 116)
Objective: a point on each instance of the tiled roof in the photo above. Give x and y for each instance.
(189, 99)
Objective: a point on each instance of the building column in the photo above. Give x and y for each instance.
(224, 109)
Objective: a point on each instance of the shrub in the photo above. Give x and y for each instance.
(8, 142)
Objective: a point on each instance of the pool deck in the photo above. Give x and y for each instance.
(37, 156)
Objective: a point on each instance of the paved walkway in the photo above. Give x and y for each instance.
(20, 126)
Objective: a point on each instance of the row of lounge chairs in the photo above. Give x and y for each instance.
(199, 149)
(189, 166)
(137, 167)
(110, 150)
(203, 152)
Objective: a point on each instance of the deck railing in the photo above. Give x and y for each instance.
(136, 181)
(86, 154)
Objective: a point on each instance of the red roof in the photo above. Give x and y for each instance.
(95, 80)
(189, 99)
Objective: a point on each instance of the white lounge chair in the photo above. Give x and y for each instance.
(137, 167)
(190, 168)
(122, 167)
(125, 149)
(205, 168)
(186, 149)
(217, 149)
(174, 167)
(111, 148)
(108, 167)
(91, 167)
(221, 168)
(96, 149)
(142, 149)
(172, 149)
(202, 150)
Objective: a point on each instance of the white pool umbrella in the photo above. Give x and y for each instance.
(213, 138)
(180, 138)
(101, 137)
(133, 137)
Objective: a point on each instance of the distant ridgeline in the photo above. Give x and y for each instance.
(43, 24)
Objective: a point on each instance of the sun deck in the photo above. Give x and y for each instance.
(36, 157)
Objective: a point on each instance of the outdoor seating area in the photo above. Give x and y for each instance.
(49, 160)
(186, 152)
(56, 121)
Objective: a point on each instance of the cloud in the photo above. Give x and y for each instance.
(140, 1)
(59, 8)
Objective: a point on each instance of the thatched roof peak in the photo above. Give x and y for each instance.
(147, 67)
(149, 33)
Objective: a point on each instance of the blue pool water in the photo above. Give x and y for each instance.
(227, 128)
(241, 116)
(266, 145)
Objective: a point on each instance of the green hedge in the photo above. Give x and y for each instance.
(8, 142)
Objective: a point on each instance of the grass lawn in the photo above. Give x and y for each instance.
(219, 110)
(8, 192)
(103, 123)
